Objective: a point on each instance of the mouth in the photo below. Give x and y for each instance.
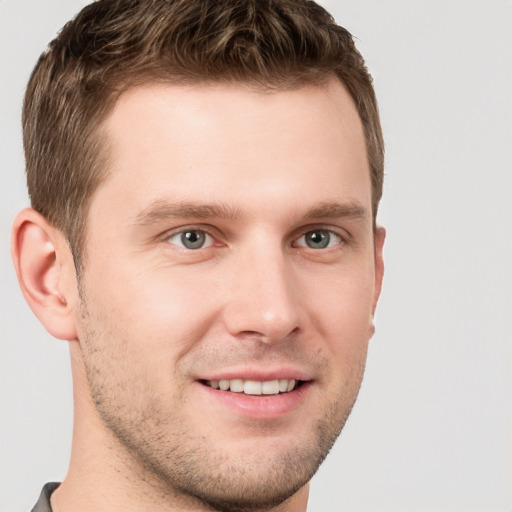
(254, 387)
(258, 397)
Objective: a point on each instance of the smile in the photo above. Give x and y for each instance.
(254, 387)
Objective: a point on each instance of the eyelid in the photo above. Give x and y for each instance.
(341, 234)
(207, 230)
(209, 241)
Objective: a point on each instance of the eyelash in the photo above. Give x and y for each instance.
(187, 231)
(339, 238)
(323, 232)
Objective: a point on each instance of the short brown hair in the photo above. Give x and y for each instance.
(112, 45)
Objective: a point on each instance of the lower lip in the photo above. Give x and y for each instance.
(264, 407)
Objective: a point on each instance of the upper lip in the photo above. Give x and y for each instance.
(257, 374)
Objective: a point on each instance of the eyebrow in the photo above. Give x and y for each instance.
(337, 210)
(162, 210)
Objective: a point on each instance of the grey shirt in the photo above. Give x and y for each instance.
(43, 503)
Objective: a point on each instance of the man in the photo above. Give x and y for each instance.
(204, 179)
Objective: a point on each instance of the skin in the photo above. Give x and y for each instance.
(261, 174)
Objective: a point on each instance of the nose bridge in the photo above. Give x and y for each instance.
(261, 300)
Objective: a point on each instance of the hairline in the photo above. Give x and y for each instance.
(99, 137)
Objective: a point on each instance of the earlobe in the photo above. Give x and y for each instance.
(42, 263)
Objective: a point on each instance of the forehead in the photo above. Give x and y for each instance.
(232, 143)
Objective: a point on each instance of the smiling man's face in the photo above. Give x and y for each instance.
(230, 276)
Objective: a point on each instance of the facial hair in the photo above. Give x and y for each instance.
(162, 446)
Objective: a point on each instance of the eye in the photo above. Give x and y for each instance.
(191, 239)
(319, 239)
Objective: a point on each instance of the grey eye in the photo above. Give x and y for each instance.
(318, 239)
(192, 239)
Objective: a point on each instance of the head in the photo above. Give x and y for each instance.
(206, 177)
(113, 46)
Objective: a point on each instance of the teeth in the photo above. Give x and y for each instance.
(236, 385)
(254, 387)
(270, 387)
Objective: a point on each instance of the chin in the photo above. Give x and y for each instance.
(258, 477)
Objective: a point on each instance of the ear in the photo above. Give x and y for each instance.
(380, 237)
(46, 272)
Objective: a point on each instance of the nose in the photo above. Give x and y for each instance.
(263, 301)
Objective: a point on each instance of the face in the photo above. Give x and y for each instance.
(229, 281)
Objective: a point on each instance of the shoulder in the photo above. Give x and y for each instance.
(43, 503)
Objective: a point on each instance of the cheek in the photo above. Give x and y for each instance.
(160, 314)
(342, 319)
(343, 305)
(132, 340)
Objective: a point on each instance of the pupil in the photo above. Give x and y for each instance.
(318, 239)
(193, 239)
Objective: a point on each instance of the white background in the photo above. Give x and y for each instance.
(432, 429)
